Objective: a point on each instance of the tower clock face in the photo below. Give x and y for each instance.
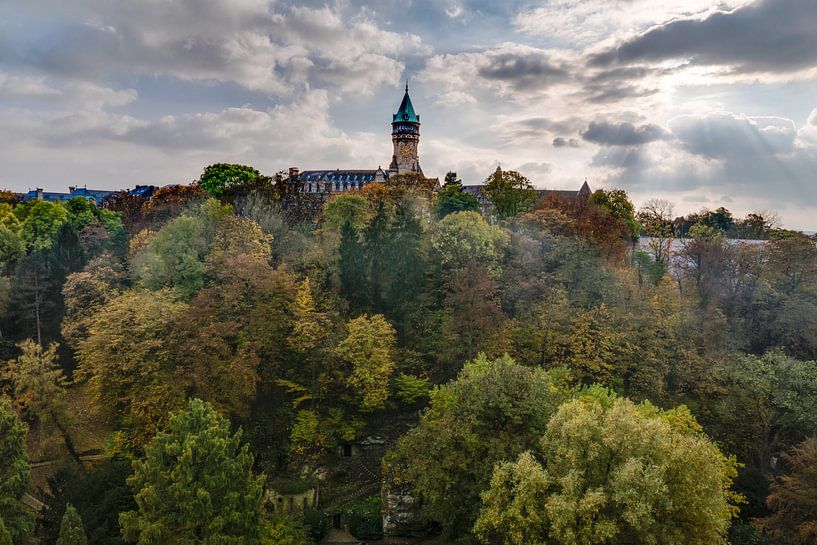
(406, 153)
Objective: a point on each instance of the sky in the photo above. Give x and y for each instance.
(702, 103)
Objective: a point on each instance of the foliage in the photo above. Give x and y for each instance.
(284, 530)
(15, 476)
(365, 520)
(127, 360)
(493, 411)
(367, 349)
(509, 192)
(463, 237)
(220, 177)
(195, 485)
(71, 531)
(620, 207)
(451, 198)
(609, 471)
(409, 388)
(345, 207)
(793, 498)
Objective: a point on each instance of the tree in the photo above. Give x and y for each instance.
(770, 400)
(71, 531)
(195, 485)
(39, 386)
(5, 536)
(608, 471)
(618, 203)
(220, 177)
(354, 279)
(376, 244)
(793, 498)
(656, 222)
(15, 475)
(405, 266)
(509, 192)
(343, 207)
(451, 198)
(128, 359)
(284, 530)
(42, 221)
(368, 351)
(463, 237)
(493, 411)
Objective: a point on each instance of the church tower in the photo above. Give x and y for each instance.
(405, 135)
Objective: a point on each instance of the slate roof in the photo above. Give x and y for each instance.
(95, 195)
(338, 176)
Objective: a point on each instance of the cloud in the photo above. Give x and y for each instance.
(774, 36)
(562, 142)
(623, 134)
(261, 45)
(587, 21)
(507, 70)
(523, 70)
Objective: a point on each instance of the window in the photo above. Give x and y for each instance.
(347, 450)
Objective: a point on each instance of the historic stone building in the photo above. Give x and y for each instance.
(405, 136)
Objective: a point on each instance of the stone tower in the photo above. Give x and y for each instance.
(405, 135)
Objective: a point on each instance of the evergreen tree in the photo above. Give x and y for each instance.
(451, 197)
(376, 239)
(5, 536)
(71, 531)
(352, 266)
(15, 475)
(405, 266)
(195, 485)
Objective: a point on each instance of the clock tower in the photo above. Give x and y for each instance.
(405, 135)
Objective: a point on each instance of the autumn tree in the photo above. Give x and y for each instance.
(195, 485)
(15, 475)
(127, 360)
(509, 192)
(71, 531)
(368, 350)
(343, 207)
(493, 411)
(608, 471)
(656, 219)
(793, 498)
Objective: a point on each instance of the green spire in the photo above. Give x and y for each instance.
(406, 114)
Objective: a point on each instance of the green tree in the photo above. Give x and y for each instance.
(354, 278)
(451, 198)
(618, 203)
(769, 400)
(71, 531)
(42, 221)
(463, 237)
(345, 207)
(39, 386)
(793, 498)
(220, 177)
(493, 411)
(510, 193)
(367, 349)
(5, 536)
(406, 264)
(195, 485)
(608, 471)
(285, 530)
(376, 244)
(15, 475)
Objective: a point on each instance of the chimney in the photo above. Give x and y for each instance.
(293, 173)
(39, 193)
(71, 189)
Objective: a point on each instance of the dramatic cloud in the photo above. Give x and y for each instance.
(623, 134)
(691, 100)
(766, 36)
